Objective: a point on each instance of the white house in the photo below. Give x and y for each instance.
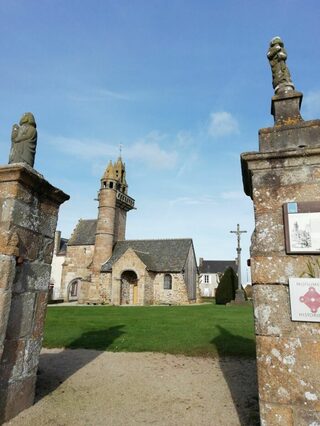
(210, 272)
(59, 255)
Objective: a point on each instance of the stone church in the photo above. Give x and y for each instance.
(101, 266)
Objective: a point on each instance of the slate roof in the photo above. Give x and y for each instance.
(157, 255)
(84, 233)
(215, 266)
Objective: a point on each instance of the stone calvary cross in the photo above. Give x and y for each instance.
(238, 233)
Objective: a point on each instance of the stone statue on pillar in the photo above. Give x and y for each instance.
(24, 140)
(277, 55)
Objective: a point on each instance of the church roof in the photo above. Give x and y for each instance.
(158, 255)
(84, 233)
(215, 266)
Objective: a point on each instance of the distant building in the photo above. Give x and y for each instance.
(101, 266)
(210, 272)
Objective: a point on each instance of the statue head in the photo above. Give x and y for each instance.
(276, 40)
(28, 118)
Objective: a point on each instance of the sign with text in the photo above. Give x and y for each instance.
(305, 299)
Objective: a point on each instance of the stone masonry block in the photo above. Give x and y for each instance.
(306, 417)
(5, 303)
(40, 314)
(26, 215)
(271, 199)
(17, 396)
(268, 235)
(47, 224)
(12, 362)
(46, 251)
(272, 314)
(7, 271)
(31, 356)
(30, 243)
(275, 415)
(275, 269)
(20, 359)
(6, 209)
(32, 276)
(49, 208)
(275, 178)
(287, 371)
(9, 240)
(21, 315)
(16, 191)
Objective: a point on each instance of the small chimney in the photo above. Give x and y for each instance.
(200, 261)
(57, 240)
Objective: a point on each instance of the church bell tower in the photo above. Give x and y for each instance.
(114, 203)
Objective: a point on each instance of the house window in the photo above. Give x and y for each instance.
(167, 284)
(206, 279)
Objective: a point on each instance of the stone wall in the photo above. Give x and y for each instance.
(28, 217)
(76, 265)
(105, 287)
(176, 296)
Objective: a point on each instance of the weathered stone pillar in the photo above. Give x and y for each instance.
(286, 169)
(28, 216)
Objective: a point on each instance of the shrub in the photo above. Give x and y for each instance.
(226, 290)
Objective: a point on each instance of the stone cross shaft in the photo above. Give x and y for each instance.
(238, 233)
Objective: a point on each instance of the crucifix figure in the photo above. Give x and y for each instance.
(238, 232)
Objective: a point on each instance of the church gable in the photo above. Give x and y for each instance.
(84, 233)
(129, 260)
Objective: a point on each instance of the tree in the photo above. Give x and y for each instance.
(226, 290)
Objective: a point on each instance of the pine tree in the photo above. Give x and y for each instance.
(226, 290)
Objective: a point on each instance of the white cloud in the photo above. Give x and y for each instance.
(233, 195)
(85, 149)
(311, 104)
(222, 124)
(147, 150)
(184, 139)
(101, 94)
(202, 200)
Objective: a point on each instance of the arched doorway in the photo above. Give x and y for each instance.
(129, 288)
(74, 289)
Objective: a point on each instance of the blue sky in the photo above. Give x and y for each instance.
(184, 86)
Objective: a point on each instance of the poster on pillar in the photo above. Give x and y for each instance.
(302, 227)
(305, 299)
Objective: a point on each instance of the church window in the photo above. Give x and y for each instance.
(74, 288)
(206, 279)
(111, 185)
(167, 284)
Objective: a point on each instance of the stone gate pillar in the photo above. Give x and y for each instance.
(28, 216)
(286, 169)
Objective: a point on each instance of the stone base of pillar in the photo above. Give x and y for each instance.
(240, 297)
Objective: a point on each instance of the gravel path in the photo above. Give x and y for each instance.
(86, 387)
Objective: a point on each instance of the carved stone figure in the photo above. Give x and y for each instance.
(24, 140)
(277, 55)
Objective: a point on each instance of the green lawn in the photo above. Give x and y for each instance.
(206, 330)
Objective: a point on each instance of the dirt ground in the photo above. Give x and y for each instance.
(86, 387)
